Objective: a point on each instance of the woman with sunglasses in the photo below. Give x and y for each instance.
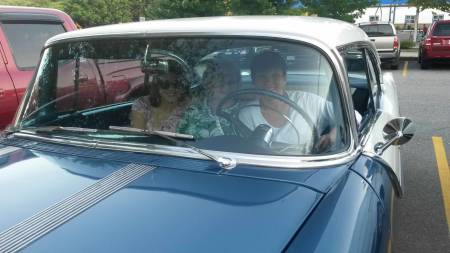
(164, 105)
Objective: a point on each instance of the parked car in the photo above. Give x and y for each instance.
(435, 45)
(384, 35)
(303, 175)
(23, 32)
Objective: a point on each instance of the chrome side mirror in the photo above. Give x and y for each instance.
(396, 132)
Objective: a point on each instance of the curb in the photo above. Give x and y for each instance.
(408, 58)
(411, 55)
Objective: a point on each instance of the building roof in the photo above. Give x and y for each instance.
(330, 32)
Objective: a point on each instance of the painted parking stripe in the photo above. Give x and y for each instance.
(444, 175)
(26, 232)
(392, 223)
(405, 69)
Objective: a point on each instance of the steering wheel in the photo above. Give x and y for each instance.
(243, 130)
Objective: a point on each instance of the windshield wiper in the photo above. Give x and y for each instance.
(158, 133)
(50, 129)
(224, 162)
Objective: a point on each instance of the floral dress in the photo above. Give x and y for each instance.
(199, 121)
(142, 105)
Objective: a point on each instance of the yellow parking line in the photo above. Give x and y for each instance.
(405, 69)
(392, 223)
(444, 174)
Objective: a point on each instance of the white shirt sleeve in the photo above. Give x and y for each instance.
(358, 118)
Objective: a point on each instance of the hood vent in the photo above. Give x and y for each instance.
(24, 233)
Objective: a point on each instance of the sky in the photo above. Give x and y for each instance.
(392, 1)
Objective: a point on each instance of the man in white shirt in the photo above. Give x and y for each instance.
(268, 71)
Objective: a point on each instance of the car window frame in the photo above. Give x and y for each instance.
(375, 94)
(332, 55)
(374, 84)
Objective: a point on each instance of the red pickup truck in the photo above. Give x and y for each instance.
(23, 32)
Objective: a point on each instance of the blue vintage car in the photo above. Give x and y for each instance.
(224, 134)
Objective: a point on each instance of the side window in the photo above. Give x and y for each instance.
(362, 79)
(27, 39)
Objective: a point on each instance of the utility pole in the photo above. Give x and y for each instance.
(416, 22)
(393, 16)
(390, 13)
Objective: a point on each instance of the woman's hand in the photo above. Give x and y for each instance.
(137, 120)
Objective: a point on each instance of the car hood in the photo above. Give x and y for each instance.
(180, 204)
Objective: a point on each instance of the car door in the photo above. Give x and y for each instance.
(385, 103)
(388, 105)
(374, 97)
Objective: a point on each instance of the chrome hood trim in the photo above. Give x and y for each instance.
(26, 232)
(287, 162)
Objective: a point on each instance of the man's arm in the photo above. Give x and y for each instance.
(326, 140)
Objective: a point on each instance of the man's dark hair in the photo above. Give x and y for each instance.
(267, 60)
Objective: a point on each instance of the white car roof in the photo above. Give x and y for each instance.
(330, 32)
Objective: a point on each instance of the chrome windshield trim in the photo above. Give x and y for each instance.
(287, 162)
(336, 63)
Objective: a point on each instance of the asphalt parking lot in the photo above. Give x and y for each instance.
(422, 217)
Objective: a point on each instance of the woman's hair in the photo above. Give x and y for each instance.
(154, 95)
(221, 71)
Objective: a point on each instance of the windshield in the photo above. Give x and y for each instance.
(378, 30)
(239, 95)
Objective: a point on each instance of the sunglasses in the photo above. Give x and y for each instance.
(166, 84)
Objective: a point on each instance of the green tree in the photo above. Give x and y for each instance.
(252, 7)
(443, 5)
(200, 8)
(56, 4)
(139, 8)
(99, 12)
(161, 9)
(338, 9)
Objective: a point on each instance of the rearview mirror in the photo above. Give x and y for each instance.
(155, 66)
(396, 132)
